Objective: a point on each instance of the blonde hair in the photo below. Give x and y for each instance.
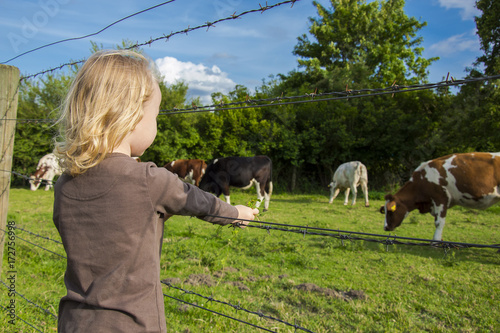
(103, 105)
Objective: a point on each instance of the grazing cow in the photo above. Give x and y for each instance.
(242, 172)
(188, 170)
(47, 168)
(470, 180)
(349, 176)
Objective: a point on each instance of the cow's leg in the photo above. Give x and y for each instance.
(228, 200)
(364, 187)
(267, 195)
(49, 185)
(439, 220)
(354, 194)
(347, 191)
(333, 193)
(260, 197)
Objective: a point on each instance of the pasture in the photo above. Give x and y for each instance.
(312, 281)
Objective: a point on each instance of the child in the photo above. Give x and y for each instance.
(109, 209)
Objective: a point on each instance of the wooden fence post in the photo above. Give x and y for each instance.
(9, 84)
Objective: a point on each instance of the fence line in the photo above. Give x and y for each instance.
(347, 94)
(340, 234)
(307, 98)
(163, 282)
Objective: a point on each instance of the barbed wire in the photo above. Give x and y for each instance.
(313, 97)
(37, 235)
(304, 230)
(207, 25)
(28, 178)
(34, 244)
(28, 300)
(307, 98)
(89, 35)
(27, 323)
(236, 307)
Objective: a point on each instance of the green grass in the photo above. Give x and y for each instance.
(313, 281)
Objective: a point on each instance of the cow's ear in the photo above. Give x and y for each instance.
(389, 197)
(382, 209)
(423, 207)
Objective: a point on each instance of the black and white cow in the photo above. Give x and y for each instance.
(242, 172)
(47, 168)
(349, 176)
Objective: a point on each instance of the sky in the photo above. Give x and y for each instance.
(243, 51)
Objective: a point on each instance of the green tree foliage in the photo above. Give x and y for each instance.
(358, 42)
(488, 29)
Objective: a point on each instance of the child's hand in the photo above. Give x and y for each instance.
(245, 213)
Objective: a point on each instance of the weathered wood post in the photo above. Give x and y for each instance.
(9, 83)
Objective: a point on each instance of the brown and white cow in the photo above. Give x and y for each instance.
(188, 170)
(470, 180)
(48, 167)
(242, 172)
(349, 176)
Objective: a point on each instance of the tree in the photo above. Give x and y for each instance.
(488, 29)
(359, 43)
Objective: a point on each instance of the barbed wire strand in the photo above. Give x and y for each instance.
(221, 314)
(28, 300)
(39, 246)
(37, 235)
(167, 37)
(29, 324)
(89, 35)
(351, 94)
(362, 93)
(236, 307)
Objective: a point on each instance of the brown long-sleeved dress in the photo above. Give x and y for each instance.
(111, 221)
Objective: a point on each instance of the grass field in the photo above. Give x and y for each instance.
(282, 279)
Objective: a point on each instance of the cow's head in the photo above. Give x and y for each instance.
(210, 181)
(36, 178)
(395, 212)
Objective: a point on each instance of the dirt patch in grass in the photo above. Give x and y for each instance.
(200, 279)
(339, 294)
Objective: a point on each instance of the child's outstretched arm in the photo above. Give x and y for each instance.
(245, 213)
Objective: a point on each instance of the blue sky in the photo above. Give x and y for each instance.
(243, 51)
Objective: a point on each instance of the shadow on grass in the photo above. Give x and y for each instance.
(489, 256)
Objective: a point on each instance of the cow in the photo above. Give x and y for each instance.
(469, 180)
(48, 167)
(241, 172)
(349, 176)
(188, 170)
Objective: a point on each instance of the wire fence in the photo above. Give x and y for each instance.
(341, 235)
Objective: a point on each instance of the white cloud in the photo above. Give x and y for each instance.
(201, 80)
(455, 44)
(467, 7)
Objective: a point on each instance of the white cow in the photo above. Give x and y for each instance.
(48, 167)
(349, 176)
